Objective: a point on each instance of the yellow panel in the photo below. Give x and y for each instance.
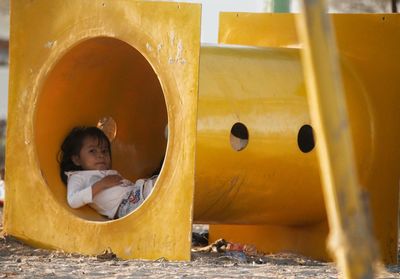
(79, 61)
(273, 30)
(368, 44)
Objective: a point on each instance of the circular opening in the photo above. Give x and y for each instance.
(239, 137)
(102, 82)
(305, 139)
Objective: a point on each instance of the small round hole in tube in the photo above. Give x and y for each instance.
(239, 137)
(305, 139)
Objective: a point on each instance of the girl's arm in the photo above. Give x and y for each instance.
(105, 183)
(79, 194)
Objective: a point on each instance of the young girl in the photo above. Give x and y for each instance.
(85, 167)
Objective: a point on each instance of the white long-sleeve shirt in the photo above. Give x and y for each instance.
(107, 201)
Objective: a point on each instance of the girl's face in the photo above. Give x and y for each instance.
(94, 155)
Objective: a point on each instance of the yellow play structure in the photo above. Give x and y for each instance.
(241, 147)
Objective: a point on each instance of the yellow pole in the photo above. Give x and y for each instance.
(350, 237)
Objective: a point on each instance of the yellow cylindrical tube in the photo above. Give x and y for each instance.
(271, 180)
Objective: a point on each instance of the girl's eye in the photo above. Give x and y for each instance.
(92, 150)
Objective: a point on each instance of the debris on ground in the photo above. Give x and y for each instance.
(107, 255)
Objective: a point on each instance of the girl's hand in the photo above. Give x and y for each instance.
(105, 183)
(110, 180)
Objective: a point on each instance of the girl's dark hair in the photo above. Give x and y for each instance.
(72, 146)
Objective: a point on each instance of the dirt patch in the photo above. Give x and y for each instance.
(21, 261)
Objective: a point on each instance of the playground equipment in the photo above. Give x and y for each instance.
(139, 65)
(133, 63)
(375, 123)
